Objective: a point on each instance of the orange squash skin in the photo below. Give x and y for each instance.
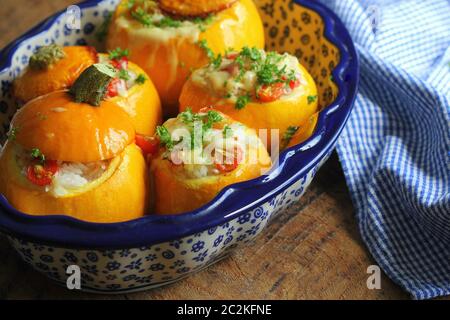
(122, 197)
(169, 62)
(173, 193)
(141, 103)
(60, 75)
(278, 115)
(60, 128)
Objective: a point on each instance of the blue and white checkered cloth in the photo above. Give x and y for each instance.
(395, 150)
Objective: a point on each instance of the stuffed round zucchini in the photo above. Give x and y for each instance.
(52, 68)
(200, 154)
(170, 38)
(263, 90)
(74, 158)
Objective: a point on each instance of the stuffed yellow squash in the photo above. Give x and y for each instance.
(73, 153)
(169, 39)
(263, 90)
(200, 154)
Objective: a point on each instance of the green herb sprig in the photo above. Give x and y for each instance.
(118, 53)
(142, 16)
(164, 137)
(140, 79)
(123, 74)
(204, 45)
(227, 131)
(168, 22)
(37, 154)
(242, 101)
(202, 23)
(208, 120)
(311, 99)
(288, 134)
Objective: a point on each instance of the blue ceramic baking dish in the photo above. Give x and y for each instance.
(158, 250)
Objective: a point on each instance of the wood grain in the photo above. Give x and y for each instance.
(312, 251)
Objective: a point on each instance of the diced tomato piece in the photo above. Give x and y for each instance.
(120, 64)
(42, 174)
(269, 93)
(113, 87)
(224, 165)
(148, 145)
(232, 55)
(294, 83)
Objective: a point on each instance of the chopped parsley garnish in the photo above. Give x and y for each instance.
(227, 131)
(211, 118)
(251, 53)
(130, 4)
(12, 133)
(147, 19)
(266, 69)
(188, 116)
(140, 79)
(239, 61)
(204, 45)
(311, 99)
(217, 61)
(164, 137)
(290, 131)
(288, 134)
(203, 22)
(37, 154)
(118, 53)
(103, 28)
(167, 22)
(269, 73)
(242, 101)
(123, 74)
(142, 16)
(208, 120)
(290, 77)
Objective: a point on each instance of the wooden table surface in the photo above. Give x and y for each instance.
(313, 251)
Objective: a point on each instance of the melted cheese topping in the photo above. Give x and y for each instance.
(197, 160)
(229, 81)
